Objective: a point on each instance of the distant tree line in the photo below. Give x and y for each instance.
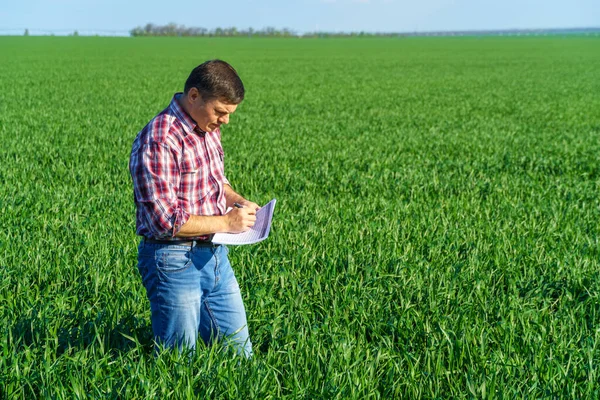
(173, 29)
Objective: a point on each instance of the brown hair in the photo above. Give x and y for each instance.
(216, 79)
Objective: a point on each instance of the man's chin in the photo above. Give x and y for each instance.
(207, 128)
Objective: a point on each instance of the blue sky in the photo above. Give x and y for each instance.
(299, 15)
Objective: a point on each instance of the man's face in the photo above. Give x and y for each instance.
(208, 114)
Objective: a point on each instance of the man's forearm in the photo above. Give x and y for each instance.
(232, 197)
(200, 225)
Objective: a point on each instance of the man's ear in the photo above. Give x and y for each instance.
(194, 95)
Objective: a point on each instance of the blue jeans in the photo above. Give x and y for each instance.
(193, 290)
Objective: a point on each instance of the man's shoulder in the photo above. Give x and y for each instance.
(164, 128)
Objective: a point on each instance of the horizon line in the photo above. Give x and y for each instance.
(111, 32)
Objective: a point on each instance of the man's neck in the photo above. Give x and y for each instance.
(180, 99)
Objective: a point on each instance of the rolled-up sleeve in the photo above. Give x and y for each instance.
(155, 173)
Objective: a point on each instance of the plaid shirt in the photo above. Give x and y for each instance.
(177, 171)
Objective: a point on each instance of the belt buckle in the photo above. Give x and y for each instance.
(204, 243)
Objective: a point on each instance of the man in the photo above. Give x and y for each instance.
(181, 195)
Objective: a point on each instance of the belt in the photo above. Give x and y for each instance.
(191, 243)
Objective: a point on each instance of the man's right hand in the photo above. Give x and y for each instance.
(240, 219)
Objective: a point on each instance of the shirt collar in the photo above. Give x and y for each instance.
(183, 116)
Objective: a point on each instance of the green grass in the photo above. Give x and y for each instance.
(436, 233)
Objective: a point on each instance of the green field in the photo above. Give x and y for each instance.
(436, 231)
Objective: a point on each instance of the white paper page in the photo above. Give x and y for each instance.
(259, 232)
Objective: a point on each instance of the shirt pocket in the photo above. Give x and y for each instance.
(215, 149)
(190, 173)
(193, 186)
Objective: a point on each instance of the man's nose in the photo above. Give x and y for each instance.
(224, 119)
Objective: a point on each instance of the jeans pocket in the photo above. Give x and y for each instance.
(173, 261)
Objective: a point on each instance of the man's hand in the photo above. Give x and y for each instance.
(250, 204)
(241, 219)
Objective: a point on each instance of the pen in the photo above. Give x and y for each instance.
(238, 205)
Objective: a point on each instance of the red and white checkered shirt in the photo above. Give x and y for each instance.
(177, 171)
